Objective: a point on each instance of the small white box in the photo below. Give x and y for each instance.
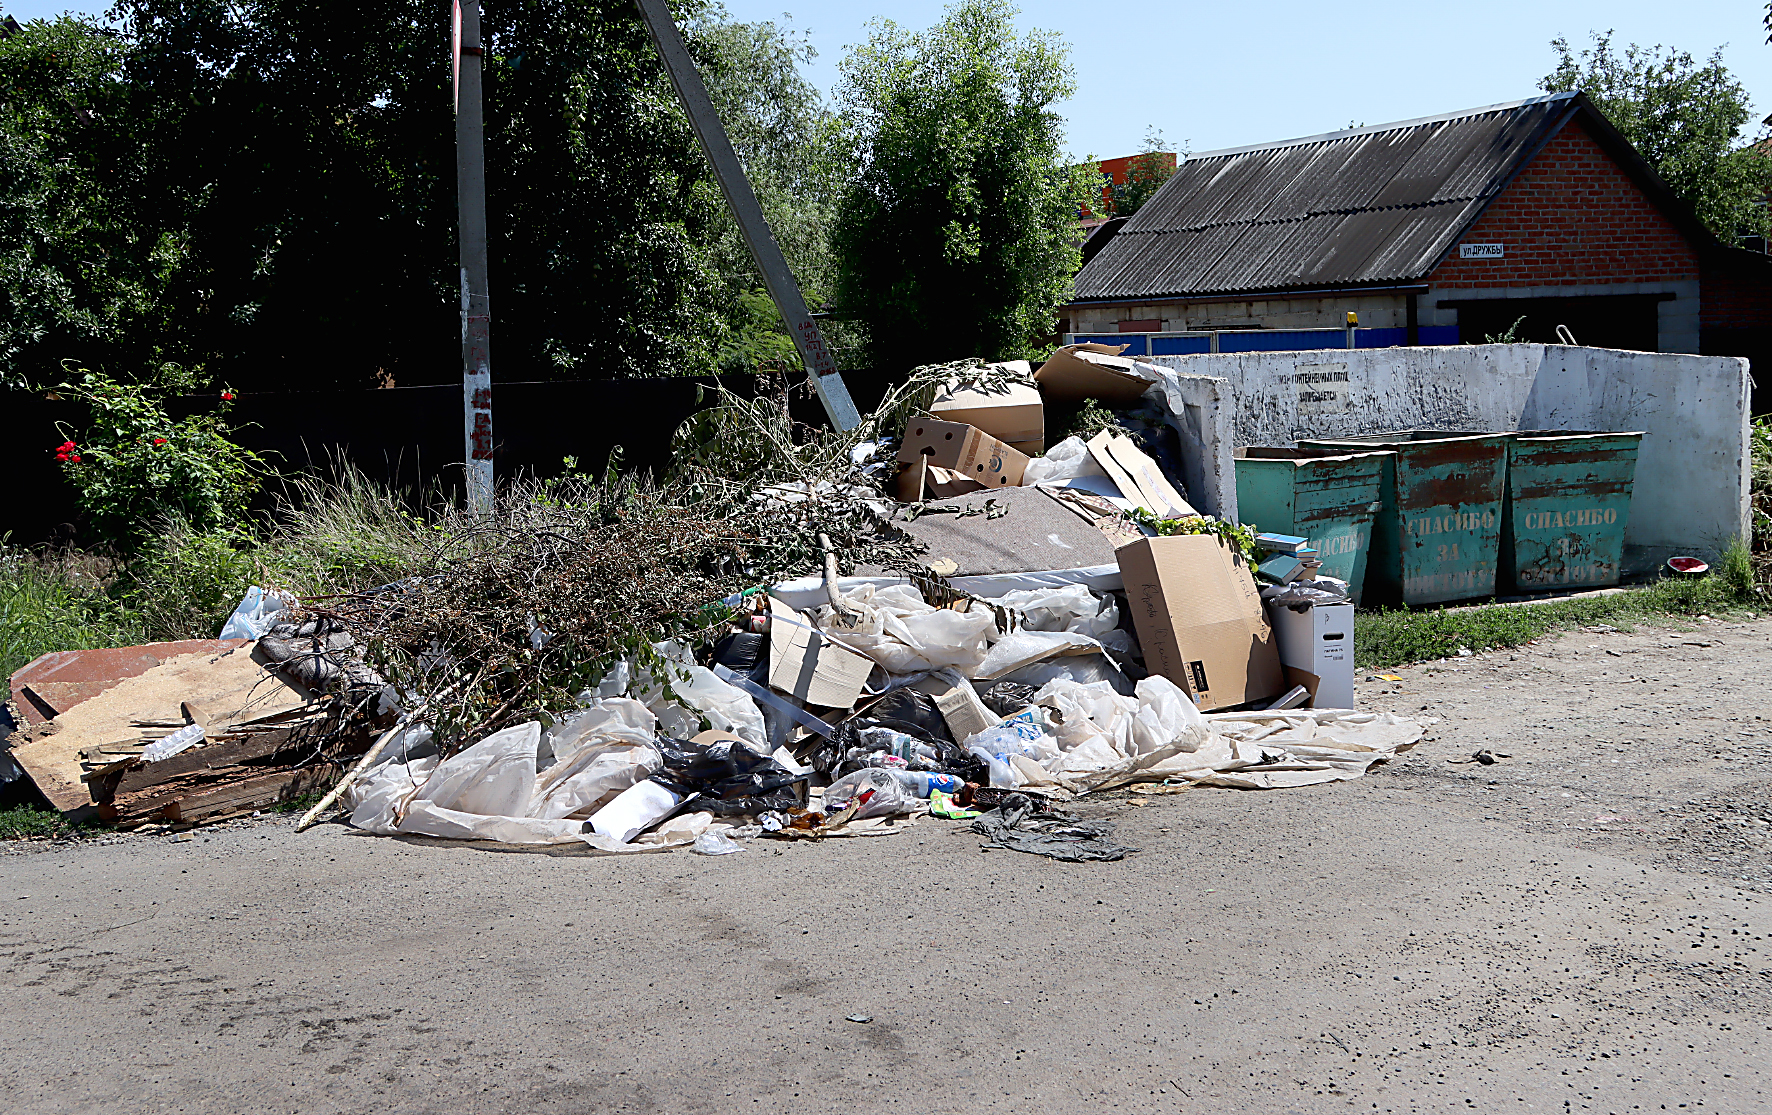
(1319, 640)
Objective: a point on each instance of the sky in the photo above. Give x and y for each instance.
(1212, 75)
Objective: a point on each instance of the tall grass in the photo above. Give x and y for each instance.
(342, 533)
(57, 603)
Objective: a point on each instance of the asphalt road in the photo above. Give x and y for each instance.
(1581, 926)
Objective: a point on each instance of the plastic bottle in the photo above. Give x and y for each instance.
(167, 746)
(887, 760)
(907, 747)
(1002, 775)
(924, 782)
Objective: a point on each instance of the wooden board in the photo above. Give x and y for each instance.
(50, 754)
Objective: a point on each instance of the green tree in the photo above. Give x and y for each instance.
(957, 238)
(1145, 175)
(265, 191)
(1684, 118)
(78, 272)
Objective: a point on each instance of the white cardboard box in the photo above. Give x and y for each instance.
(1320, 641)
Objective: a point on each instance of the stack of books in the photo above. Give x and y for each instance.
(1289, 558)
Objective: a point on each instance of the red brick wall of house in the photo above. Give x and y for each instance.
(1735, 298)
(1572, 216)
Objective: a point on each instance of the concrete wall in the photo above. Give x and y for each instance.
(1691, 493)
(1202, 411)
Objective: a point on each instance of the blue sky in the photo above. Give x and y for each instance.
(1219, 75)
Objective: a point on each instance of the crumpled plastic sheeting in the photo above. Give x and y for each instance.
(494, 791)
(1024, 648)
(905, 635)
(701, 696)
(1063, 608)
(1067, 460)
(1063, 836)
(1297, 747)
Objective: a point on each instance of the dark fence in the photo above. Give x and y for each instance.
(409, 436)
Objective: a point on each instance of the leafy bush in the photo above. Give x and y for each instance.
(184, 584)
(135, 465)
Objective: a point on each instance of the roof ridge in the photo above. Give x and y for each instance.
(1375, 129)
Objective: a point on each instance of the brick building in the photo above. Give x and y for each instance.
(1441, 230)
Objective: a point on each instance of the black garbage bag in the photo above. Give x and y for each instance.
(730, 777)
(1005, 698)
(903, 712)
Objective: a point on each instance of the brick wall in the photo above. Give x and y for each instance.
(1737, 297)
(1572, 217)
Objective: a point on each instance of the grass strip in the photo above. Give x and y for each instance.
(1401, 636)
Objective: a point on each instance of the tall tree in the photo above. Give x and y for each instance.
(957, 238)
(265, 190)
(1685, 118)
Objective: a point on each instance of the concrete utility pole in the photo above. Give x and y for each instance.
(820, 366)
(476, 304)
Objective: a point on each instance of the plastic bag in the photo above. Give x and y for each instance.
(1024, 648)
(882, 794)
(1025, 733)
(1082, 669)
(495, 777)
(716, 844)
(730, 778)
(1064, 608)
(1067, 460)
(1165, 717)
(256, 614)
(701, 696)
(897, 629)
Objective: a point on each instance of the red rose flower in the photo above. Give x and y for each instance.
(227, 396)
(159, 441)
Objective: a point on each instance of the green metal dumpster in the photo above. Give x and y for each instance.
(1328, 496)
(1438, 536)
(1568, 501)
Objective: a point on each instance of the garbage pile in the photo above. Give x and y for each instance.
(765, 644)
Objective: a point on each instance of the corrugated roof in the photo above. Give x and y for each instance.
(1367, 206)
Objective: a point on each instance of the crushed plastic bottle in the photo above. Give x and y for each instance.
(923, 783)
(166, 747)
(716, 844)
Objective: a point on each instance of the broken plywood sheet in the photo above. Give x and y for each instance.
(228, 681)
(54, 683)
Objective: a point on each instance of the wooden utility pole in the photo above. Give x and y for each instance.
(476, 304)
(820, 366)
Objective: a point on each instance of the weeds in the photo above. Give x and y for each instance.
(1394, 638)
(26, 822)
(51, 603)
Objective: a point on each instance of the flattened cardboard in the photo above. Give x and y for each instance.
(809, 666)
(1200, 620)
(962, 711)
(1087, 371)
(965, 449)
(1013, 415)
(1137, 476)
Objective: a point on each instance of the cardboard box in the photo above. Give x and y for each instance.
(811, 667)
(1320, 640)
(1076, 372)
(1137, 476)
(1200, 620)
(964, 449)
(1014, 415)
